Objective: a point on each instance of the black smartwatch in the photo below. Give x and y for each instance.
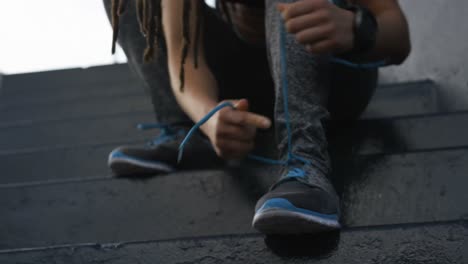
(365, 29)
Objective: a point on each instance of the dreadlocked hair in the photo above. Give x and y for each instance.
(149, 15)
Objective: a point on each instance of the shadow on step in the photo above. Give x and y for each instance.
(347, 144)
(252, 179)
(351, 143)
(317, 246)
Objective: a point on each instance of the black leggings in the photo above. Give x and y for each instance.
(242, 71)
(318, 88)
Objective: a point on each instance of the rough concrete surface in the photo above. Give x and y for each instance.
(443, 243)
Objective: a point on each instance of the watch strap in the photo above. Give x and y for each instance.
(365, 29)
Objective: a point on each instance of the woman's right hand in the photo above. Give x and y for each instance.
(232, 131)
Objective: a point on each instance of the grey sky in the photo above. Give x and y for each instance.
(53, 34)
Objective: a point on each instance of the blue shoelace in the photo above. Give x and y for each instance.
(291, 157)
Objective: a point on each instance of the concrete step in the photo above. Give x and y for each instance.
(74, 132)
(402, 188)
(1, 84)
(66, 163)
(403, 99)
(377, 190)
(82, 152)
(411, 133)
(65, 140)
(112, 210)
(56, 81)
(102, 91)
(389, 101)
(418, 243)
(59, 163)
(91, 108)
(396, 135)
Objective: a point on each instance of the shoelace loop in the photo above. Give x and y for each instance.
(296, 172)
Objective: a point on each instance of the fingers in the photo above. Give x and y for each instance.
(300, 23)
(319, 25)
(242, 105)
(232, 149)
(321, 47)
(243, 118)
(241, 133)
(251, 119)
(234, 131)
(232, 141)
(300, 8)
(313, 35)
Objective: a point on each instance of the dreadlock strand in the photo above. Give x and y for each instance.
(122, 7)
(115, 23)
(186, 41)
(149, 15)
(225, 10)
(197, 33)
(139, 12)
(144, 15)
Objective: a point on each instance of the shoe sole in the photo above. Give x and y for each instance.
(126, 166)
(284, 218)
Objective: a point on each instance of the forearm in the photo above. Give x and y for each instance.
(200, 93)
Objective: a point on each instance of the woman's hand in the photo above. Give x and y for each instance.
(319, 25)
(232, 131)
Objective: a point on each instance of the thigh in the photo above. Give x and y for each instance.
(134, 44)
(241, 69)
(155, 74)
(351, 91)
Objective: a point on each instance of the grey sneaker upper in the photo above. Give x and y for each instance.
(318, 198)
(163, 150)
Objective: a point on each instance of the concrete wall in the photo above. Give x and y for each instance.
(439, 34)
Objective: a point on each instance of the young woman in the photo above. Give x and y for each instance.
(260, 64)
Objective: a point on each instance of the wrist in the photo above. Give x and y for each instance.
(209, 126)
(365, 28)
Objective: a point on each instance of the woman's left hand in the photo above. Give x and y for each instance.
(319, 25)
